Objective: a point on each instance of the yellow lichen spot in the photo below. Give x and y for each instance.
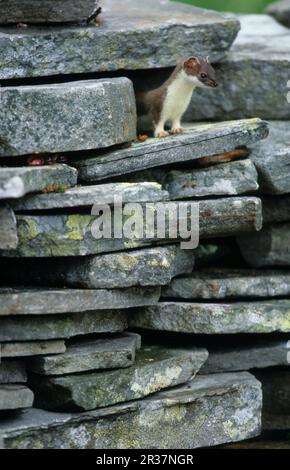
(77, 226)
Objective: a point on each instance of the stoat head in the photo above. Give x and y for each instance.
(200, 72)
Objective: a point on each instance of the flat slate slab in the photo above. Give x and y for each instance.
(276, 209)
(230, 402)
(31, 348)
(51, 301)
(270, 247)
(221, 318)
(155, 368)
(70, 235)
(18, 181)
(43, 118)
(89, 354)
(12, 372)
(134, 35)
(223, 283)
(44, 327)
(50, 11)
(86, 196)
(280, 11)
(8, 229)
(13, 397)
(199, 140)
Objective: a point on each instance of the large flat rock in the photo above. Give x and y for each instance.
(270, 247)
(89, 354)
(220, 318)
(199, 140)
(8, 229)
(31, 348)
(18, 181)
(134, 35)
(214, 283)
(71, 235)
(170, 419)
(43, 118)
(280, 11)
(12, 372)
(14, 397)
(155, 368)
(44, 327)
(50, 301)
(50, 11)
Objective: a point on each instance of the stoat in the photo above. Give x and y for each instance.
(170, 101)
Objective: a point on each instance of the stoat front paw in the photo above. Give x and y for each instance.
(177, 130)
(161, 134)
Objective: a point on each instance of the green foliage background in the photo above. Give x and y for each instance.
(238, 6)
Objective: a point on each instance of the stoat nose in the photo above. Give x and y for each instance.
(215, 84)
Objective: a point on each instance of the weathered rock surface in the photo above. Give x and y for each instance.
(90, 195)
(12, 372)
(31, 348)
(214, 283)
(134, 35)
(8, 229)
(70, 235)
(29, 328)
(276, 209)
(270, 247)
(221, 318)
(198, 141)
(18, 181)
(50, 301)
(170, 419)
(281, 11)
(50, 11)
(13, 397)
(89, 354)
(43, 118)
(155, 368)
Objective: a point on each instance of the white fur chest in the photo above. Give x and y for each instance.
(177, 98)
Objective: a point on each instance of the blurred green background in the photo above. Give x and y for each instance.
(238, 6)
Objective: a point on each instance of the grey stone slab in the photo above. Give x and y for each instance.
(155, 368)
(13, 397)
(207, 411)
(134, 35)
(280, 11)
(97, 194)
(71, 235)
(30, 348)
(12, 372)
(35, 301)
(44, 327)
(89, 354)
(18, 181)
(276, 209)
(8, 229)
(212, 283)
(269, 247)
(215, 318)
(199, 140)
(66, 117)
(50, 11)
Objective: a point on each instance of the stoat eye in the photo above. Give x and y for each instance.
(203, 75)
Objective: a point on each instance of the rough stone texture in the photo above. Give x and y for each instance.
(89, 195)
(18, 181)
(272, 159)
(270, 247)
(168, 420)
(198, 141)
(29, 328)
(8, 229)
(221, 318)
(145, 267)
(155, 368)
(12, 372)
(50, 301)
(134, 35)
(281, 11)
(70, 235)
(276, 209)
(13, 397)
(214, 283)
(89, 354)
(66, 117)
(48, 11)
(31, 348)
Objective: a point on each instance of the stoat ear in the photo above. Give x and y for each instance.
(207, 59)
(191, 62)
